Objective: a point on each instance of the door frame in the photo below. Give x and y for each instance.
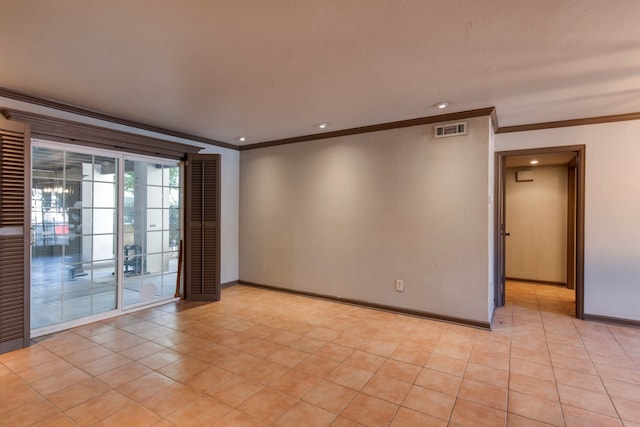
(499, 216)
(120, 308)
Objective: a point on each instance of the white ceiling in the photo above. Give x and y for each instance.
(272, 69)
(547, 159)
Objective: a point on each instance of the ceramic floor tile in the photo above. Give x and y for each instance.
(535, 408)
(170, 399)
(29, 413)
(78, 393)
(628, 409)
(439, 381)
(268, 405)
(265, 372)
(131, 415)
(208, 378)
(576, 417)
(466, 413)
(429, 402)
(15, 392)
(370, 411)
(350, 376)
(307, 344)
(303, 413)
(486, 375)
(49, 385)
(141, 350)
(580, 380)
(622, 389)
(317, 366)
(295, 383)
(515, 420)
(288, 356)
(484, 394)
(124, 343)
(532, 369)
(409, 418)
(446, 364)
(334, 352)
(365, 361)
(98, 408)
(574, 364)
(204, 410)
(160, 359)
(237, 418)
(410, 354)
(235, 391)
(399, 370)
(585, 399)
(387, 388)
(258, 357)
(57, 420)
(534, 387)
(104, 364)
(88, 355)
(44, 370)
(380, 347)
(124, 374)
(72, 347)
(330, 396)
(145, 386)
(28, 358)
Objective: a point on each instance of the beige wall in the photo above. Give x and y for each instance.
(612, 210)
(348, 216)
(536, 218)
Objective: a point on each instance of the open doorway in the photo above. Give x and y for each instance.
(540, 194)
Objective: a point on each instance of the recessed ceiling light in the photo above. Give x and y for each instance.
(442, 105)
(242, 138)
(533, 162)
(323, 125)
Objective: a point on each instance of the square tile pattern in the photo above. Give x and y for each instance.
(259, 358)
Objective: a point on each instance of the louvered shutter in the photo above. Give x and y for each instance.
(202, 228)
(15, 172)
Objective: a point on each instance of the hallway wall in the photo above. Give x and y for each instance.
(536, 218)
(612, 209)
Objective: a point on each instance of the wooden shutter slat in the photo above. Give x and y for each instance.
(14, 225)
(202, 249)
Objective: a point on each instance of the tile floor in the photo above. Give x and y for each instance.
(261, 358)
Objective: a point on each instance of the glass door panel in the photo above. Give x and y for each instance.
(74, 221)
(151, 230)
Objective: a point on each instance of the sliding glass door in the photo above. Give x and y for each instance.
(151, 230)
(74, 235)
(105, 233)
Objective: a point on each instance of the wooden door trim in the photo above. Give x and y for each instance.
(571, 226)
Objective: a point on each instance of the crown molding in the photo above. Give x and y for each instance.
(570, 123)
(69, 108)
(374, 128)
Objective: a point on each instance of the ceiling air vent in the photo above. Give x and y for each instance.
(450, 129)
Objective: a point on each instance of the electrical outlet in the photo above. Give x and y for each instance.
(400, 285)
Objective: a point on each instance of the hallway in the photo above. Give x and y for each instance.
(261, 357)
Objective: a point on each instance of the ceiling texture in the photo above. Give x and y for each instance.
(274, 69)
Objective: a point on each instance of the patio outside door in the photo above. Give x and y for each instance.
(74, 234)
